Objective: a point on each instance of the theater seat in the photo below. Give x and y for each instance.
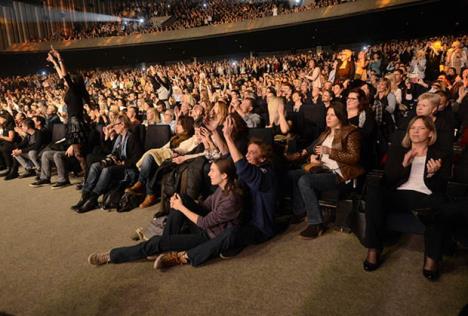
(157, 136)
(264, 134)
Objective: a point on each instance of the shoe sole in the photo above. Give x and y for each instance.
(60, 187)
(157, 263)
(38, 185)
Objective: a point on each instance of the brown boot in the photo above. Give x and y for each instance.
(150, 199)
(136, 188)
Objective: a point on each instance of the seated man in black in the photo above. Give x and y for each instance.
(125, 154)
(27, 152)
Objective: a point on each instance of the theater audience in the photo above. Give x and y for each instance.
(105, 131)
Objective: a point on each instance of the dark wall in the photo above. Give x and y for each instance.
(424, 20)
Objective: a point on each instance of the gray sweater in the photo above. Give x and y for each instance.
(224, 212)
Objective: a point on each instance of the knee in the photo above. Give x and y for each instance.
(304, 181)
(58, 156)
(95, 166)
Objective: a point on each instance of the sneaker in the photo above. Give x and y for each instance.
(230, 253)
(4, 172)
(99, 258)
(313, 231)
(39, 183)
(59, 185)
(170, 259)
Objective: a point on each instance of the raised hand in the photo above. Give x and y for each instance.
(228, 128)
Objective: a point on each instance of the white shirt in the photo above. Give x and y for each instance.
(416, 178)
(325, 158)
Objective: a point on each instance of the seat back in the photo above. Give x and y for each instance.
(157, 136)
(264, 134)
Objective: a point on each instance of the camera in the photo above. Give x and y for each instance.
(110, 160)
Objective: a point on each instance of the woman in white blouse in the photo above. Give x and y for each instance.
(415, 178)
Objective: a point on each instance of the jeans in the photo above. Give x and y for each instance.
(100, 179)
(235, 237)
(29, 160)
(58, 157)
(147, 170)
(179, 234)
(307, 201)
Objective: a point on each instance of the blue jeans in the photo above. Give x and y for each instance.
(307, 185)
(99, 179)
(147, 170)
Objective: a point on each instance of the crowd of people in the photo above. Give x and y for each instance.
(139, 17)
(333, 117)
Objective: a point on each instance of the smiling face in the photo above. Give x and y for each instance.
(119, 126)
(352, 102)
(215, 175)
(255, 155)
(419, 133)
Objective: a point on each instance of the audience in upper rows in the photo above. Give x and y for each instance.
(149, 16)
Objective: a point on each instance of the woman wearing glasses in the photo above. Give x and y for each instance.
(125, 153)
(359, 115)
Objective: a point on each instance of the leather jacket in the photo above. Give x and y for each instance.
(345, 150)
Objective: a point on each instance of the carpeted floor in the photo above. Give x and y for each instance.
(43, 270)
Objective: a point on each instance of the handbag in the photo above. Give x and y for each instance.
(311, 166)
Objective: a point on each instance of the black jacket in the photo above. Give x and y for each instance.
(395, 174)
(32, 142)
(133, 152)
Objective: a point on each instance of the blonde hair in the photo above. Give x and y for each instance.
(433, 98)
(273, 105)
(428, 123)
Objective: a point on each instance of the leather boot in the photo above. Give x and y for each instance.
(150, 199)
(84, 197)
(90, 204)
(136, 188)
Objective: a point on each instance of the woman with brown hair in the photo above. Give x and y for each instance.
(360, 116)
(334, 159)
(414, 179)
(189, 224)
(181, 143)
